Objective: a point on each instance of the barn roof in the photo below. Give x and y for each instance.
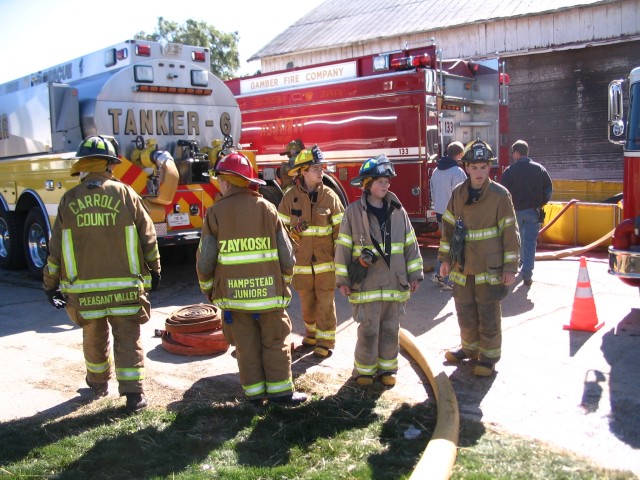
(336, 23)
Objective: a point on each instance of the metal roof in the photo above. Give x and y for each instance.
(337, 23)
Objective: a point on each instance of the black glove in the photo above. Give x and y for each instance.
(358, 269)
(155, 280)
(56, 298)
(456, 245)
(357, 272)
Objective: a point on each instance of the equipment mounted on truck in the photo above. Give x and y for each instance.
(407, 104)
(148, 96)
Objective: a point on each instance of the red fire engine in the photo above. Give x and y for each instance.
(408, 105)
(624, 252)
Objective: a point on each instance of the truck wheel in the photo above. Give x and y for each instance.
(36, 236)
(11, 251)
(271, 194)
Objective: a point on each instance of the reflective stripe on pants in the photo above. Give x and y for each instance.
(263, 351)
(479, 318)
(127, 352)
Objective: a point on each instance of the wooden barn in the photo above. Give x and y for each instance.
(560, 55)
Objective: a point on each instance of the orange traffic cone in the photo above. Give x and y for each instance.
(584, 316)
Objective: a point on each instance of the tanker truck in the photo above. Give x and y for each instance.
(145, 97)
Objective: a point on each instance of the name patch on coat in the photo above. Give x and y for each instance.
(108, 299)
(108, 208)
(256, 287)
(245, 244)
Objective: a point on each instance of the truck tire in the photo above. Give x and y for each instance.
(11, 250)
(271, 194)
(36, 242)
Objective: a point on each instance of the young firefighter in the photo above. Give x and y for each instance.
(479, 251)
(103, 256)
(244, 264)
(313, 213)
(378, 264)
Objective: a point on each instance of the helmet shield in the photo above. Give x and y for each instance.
(375, 167)
(478, 152)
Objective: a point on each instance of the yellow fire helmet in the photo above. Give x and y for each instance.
(306, 158)
(94, 155)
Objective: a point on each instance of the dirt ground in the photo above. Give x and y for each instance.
(574, 390)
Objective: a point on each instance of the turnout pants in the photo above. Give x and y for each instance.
(263, 352)
(127, 351)
(479, 317)
(377, 345)
(317, 298)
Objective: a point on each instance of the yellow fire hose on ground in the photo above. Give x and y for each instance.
(439, 457)
(570, 252)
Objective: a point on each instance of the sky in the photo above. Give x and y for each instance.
(37, 34)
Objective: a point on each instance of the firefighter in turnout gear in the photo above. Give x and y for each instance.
(312, 212)
(103, 258)
(244, 264)
(479, 251)
(378, 265)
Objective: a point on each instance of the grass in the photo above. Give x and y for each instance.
(352, 434)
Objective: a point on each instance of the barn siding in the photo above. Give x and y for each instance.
(558, 104)
(610, 22)
(560, 63)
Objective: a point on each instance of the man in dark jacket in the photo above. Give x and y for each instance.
(531, 188)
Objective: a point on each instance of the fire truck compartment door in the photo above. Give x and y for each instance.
(410, 193)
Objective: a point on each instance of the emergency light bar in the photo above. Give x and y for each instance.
(143, 50)
(404, 63)
(161, 89)
(198, 56)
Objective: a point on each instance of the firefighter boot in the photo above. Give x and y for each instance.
(388, 379)
(98, 389)
(135, 402)
(364, 380)
(309, 341)
(322, 351)
(457, 355)
(257, 403)
(484, 369)
(290, 400)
